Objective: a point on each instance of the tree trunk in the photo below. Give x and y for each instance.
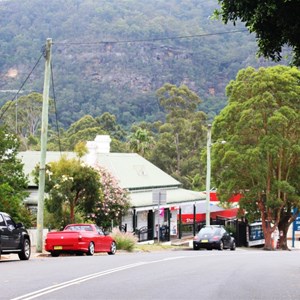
(268, 240)
(268, 235)
(283, 229)
(72, 214)
(177, 152)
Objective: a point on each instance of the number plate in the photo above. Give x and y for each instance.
(57, 247)
(204, 241)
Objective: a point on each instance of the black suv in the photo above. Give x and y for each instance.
(14, 238)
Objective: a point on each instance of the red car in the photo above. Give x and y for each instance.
(79, 239)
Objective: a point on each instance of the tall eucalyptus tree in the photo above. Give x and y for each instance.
(261, 158)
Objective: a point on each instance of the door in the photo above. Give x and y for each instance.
(103, 242)
(226, 238)
(12, 234)
(150, 225)
(4, 243)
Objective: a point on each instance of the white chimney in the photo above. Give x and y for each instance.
(101, 144)
(91, 157)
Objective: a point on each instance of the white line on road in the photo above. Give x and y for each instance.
(66, 284)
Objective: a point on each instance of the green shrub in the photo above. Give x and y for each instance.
(125, 240)
(230, 229)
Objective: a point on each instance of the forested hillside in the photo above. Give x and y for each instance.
(111, 55)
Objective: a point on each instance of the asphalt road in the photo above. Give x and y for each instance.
(180, 274)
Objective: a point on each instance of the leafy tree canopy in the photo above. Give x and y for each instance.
(261, 125)
(141, 141)
(13, 181)
(23, 117)
(86, 129)
(177, 150)
(177, 101)
(275, 22)
(120, 78)
(72, 188)
(108, 123)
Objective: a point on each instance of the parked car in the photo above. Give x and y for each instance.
(14, 238)
(79, 239)
(214, 237)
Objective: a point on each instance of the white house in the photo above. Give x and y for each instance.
(144, 181)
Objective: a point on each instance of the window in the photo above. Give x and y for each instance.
(87, 228)
(99, 230)
(9, 222)
(2, 223)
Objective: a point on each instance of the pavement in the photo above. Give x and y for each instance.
(189, 243)
(183, 243)
(296, 244)
(186, 242)
(34, 253)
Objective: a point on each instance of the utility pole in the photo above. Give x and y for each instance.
(208, 171)
(17, 115)
(44, 132)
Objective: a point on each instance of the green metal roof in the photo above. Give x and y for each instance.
(32, 158)
(132, 171)
(142, 200)
(135, 172)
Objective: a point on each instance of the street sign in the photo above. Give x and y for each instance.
(296, 227)
(296, 224)
(159, 197)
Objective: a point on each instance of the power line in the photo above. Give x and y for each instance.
(114, 42)
(16, 95)
(152, 40)
(54, 98)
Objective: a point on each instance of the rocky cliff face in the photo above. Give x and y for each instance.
(145, 69)
(112, 56)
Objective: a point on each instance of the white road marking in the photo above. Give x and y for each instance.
(66, 284)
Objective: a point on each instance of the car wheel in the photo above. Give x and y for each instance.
(233, 246)
(91, 249)
(221, 246)
(113, 248)
(25, 251)
(54, 253)
(196, 247)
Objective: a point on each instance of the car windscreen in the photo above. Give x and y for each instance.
(79, 228)
(206, 232)
(2, 223)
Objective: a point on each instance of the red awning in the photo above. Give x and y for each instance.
(226, 213)
(235, 198)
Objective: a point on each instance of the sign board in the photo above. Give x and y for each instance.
(159, 197)
(296, 227)
(255, 235)
(296, 224)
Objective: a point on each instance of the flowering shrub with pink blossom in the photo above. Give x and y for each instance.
(113, 203)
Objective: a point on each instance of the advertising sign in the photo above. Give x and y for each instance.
(296, 227)
(296, 224)
(255, 235)
(159, 197)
